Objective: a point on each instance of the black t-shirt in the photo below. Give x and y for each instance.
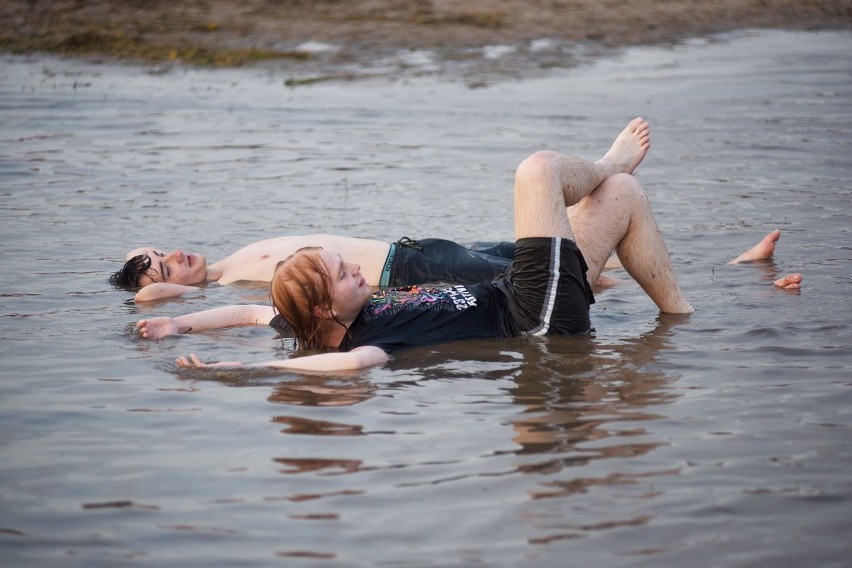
(415, 316)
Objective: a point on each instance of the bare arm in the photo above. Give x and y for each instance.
(216, 318)
(159, 290)
(358, 358)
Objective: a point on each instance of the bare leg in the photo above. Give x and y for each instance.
(762, 250)
(547, 182)
(622, 153)
(608, 211)
(617, 216)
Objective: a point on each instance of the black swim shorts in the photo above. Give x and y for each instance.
(547, 289)
(439, 260)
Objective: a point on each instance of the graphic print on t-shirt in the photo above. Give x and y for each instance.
(389, 302)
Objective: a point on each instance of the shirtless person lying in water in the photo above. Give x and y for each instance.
(163, 274)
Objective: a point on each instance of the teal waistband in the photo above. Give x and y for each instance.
(384, 281)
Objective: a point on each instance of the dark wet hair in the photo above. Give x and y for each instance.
(128, 276)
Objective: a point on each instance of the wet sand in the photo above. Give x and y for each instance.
(347, 38)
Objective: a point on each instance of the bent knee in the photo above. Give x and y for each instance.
(535, 167)
(622, 180)
(623, 186)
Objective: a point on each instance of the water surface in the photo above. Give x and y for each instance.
(722, 438)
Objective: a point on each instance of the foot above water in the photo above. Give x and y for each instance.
(629, 148)
(762, 250)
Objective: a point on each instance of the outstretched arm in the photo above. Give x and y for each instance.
(216, 318)
(159, 290)
(358, 358)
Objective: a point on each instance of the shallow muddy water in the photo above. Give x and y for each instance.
(723, 438)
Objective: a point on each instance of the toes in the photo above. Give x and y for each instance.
(790, 282)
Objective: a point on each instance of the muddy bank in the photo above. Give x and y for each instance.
(345, 36)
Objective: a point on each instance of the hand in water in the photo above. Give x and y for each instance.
(157, 328)
(194, 362)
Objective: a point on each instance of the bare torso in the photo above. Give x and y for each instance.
(257, 261)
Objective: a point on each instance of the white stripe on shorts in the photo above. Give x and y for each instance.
(552, 286)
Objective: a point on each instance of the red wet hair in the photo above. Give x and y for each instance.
(301, 287)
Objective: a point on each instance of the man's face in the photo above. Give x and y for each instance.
(351, 291)
(176, 267)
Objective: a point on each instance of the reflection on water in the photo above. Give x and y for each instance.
(323, 391)
(305, 426)
(570, 405)
(318, 466)
(593, 408)
(663, 441)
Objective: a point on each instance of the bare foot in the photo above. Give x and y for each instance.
(790, 282)
(762, 250)
(629, 148)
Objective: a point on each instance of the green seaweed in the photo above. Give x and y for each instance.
(95, 41)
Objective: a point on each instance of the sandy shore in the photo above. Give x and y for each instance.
(332, 35)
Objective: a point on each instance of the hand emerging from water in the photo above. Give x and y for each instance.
(157, 328)
(194, 362)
